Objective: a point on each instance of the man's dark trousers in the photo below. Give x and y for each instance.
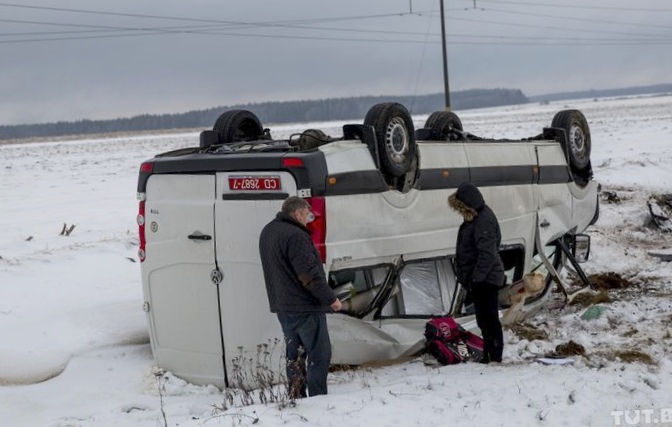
(486, 305)
(306, 337)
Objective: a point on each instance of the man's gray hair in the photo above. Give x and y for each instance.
(293, 204)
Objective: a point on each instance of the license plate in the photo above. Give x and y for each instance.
(255, 183)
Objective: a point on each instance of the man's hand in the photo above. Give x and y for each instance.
(336, 305)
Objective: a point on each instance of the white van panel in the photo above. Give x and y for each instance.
(183, 312)
(550, 154)
(247, 321)
(442, 155)
(347, 156)
(481, 154)
(424, 225)
(355, 341)
(585, 205)
(513, 202)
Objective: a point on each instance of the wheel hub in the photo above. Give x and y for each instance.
(577, 139)
(397, 140)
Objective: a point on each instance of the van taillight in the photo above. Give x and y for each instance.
(147, 167)
(292, 162)
(318, 227)
(141, 230)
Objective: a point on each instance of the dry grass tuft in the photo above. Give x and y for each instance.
(588, 298)
(632, 356)
(529, 332)
(570, 349)
(607, 281)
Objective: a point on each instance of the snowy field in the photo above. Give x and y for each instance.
(74, 347)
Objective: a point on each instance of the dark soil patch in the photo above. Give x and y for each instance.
(570, 349)
(631, 356)
(587, 299)
(667, 320)
(665, 200)
(611, 197)
(529, 332)
(607, 281)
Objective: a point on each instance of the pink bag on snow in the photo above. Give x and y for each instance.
(450, 343)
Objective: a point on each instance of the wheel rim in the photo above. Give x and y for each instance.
(577, 139)
(397, 140)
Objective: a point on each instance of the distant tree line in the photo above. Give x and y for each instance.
(354, 108)
(587, 94)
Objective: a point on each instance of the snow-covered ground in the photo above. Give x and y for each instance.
(74, 344)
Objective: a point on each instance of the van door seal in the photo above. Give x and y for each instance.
(219, 301)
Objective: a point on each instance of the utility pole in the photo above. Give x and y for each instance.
(445, 58)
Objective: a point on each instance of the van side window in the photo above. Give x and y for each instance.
(357, 288)
(356, 277)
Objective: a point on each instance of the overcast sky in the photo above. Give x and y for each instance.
(97, 59)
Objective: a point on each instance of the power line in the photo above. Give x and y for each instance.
(603, 42)
(575, 6)
(228, 25)
(215, 30)
(576, 18)
(213, 21)
(61, 24)
(549, 27)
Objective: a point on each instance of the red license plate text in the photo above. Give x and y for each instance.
(255, 183)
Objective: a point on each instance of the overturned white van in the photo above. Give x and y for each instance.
(383, 229)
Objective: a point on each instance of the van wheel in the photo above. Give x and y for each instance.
(578, 137)
(442, 126)
(238, 126)
(395, 136)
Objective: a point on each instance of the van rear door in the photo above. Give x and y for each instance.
(180, 258)
(246, 202)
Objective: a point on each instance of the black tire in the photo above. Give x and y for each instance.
(577, 134)
(208, 138)
(395, 136)
(238, 126)
(442, 125)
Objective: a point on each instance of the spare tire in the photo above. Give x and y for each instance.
(442, 125)
(577, 141)
(238, 126)
(395, 136)
(208, 138)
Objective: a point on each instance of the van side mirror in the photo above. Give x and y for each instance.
(581, 247)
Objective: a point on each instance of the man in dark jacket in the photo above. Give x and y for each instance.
(479, 268)
(300, 296)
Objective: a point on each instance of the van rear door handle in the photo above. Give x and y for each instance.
(199, 237)
(544, 223)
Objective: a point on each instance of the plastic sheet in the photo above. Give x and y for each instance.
(420, 288)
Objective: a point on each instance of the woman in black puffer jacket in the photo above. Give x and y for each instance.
(479, 268)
